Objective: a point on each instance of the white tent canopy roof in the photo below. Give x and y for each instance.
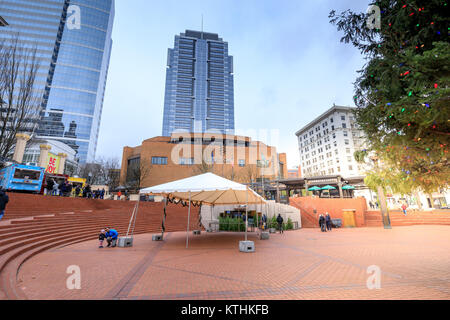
(207, 188)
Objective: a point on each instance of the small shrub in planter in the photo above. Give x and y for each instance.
(289, 224)
(241, 225)
(273, 223)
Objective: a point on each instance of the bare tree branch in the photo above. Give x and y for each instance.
(20, 100)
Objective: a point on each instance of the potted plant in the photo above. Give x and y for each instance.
(273, 225)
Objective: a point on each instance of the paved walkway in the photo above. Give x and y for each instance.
(302, 264)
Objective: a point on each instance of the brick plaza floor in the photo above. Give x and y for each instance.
(302, 264)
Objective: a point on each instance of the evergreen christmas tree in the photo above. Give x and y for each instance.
(402, 93)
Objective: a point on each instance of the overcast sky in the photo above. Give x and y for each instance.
(289, 65)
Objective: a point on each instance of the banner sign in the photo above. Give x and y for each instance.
(53, 163)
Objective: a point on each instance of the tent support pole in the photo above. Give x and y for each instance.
(212, 211)
(246, 216)
(189, 215)
(163, 226)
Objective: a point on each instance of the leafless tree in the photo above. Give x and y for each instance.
(92, 172)
(137, 174)
(103, 171)
(249, 173)
(20, 100)
(203, 167)
(112, 172)
(231, 174)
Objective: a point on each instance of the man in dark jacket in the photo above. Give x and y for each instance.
(3, 201)
(328, 221)
(322, 223)
(280, 222)
(50, 184)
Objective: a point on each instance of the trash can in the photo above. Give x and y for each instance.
(349, 218)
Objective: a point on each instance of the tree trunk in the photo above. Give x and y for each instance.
(383, 208)
(431, 200)
(419, 202)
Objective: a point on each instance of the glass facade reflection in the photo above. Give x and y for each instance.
(199, 85)
(74, 64)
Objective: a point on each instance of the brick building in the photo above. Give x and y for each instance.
(294, 173)
(163, 159)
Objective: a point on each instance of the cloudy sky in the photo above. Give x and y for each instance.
(289, 65)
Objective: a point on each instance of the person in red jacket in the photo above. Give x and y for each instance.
(404, 208)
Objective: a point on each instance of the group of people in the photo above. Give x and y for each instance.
(63, 189)
(325, 222)
(66, 189)
(263, 222)
(373, 205)
(119, 195)
(110, 235)
(98, 194)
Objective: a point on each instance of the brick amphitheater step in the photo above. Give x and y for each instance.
(22, 239)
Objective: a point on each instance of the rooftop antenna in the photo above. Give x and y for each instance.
(202, 25)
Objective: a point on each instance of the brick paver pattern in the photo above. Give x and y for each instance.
(301, 264)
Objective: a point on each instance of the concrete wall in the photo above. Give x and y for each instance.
(333, 206)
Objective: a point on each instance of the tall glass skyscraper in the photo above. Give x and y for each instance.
(74, 64)
(199, 85)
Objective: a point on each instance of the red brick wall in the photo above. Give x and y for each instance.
(333, 206)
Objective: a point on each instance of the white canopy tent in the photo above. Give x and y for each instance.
(208, 189)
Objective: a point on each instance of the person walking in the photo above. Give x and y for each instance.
(404, 208)
(280, 223)
(328, 221)
(322, 223)
(4, 199)
(119, 195)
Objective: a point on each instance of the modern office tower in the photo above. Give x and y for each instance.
(199, 93)
(328, 142)
(73, 42)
